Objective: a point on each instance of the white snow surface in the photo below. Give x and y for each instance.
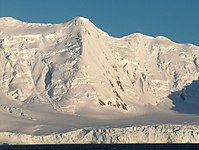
(134, 134)
(60, 77)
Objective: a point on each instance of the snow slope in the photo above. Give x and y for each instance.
(56, 77)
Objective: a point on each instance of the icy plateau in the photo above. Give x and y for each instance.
(55, 78)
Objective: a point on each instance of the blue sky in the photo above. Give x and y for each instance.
(175, 19)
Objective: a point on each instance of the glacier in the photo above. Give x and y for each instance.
(135, 134)
(55, 78)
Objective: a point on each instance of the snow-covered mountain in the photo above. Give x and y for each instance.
(78, 69)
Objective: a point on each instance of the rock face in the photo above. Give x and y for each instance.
(74, 65)
(135, 134)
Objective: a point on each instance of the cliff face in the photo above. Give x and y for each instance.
(135, 134)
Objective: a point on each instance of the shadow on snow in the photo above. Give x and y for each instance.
(187, 99)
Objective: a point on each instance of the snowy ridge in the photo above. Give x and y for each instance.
(58, 61)
(75, 69)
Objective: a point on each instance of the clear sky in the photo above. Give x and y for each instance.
(175, 19)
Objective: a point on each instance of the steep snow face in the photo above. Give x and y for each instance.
(78, 68)
(40, 62)
(156, 66)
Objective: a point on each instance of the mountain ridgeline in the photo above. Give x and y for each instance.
(78, 68)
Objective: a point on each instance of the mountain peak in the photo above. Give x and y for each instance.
(82, 21)
(81, 18)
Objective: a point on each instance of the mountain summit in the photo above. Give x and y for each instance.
(77, 68)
